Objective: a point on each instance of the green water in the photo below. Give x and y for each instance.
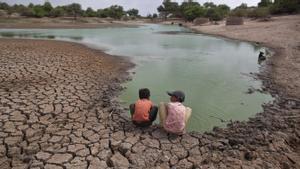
(211, 71)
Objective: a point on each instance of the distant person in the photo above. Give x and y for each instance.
(143, 112)
(261, 57)
(174, 115)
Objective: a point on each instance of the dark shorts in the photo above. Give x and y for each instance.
(152, 116)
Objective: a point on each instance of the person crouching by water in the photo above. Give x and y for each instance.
(174, 115)
(143, 112)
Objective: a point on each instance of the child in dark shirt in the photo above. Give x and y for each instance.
(143, 112)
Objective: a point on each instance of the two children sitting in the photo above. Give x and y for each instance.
(173, 116)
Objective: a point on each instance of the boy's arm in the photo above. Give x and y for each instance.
(132, 109)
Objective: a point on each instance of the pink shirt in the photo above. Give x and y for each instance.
(175, 121)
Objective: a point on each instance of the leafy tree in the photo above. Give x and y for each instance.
(192, 12)
(57, 12)
(30, 5)
(242, 6)
(265, 3)
(102, 13)
(285, 6)
(74, 9)
(168, 8)
(29, 12)
(223, 9)
(90, 12)
(39, 11)
(209, 5)
(115, 11)
(154, 15)
(149, 16)
(214, 14)
(240, 11)
(4, 6)
(47, 8)
(133, 12)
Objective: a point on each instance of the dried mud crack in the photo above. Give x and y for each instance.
(57, 110)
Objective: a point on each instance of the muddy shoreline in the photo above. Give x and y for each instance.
(43, 127)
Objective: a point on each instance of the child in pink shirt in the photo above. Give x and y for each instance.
(174, 115)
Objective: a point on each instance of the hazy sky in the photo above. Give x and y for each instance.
(145, 6)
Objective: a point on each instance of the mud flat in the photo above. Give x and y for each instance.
(55, 102)
(58, 110)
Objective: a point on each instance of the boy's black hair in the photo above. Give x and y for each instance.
(144, 93)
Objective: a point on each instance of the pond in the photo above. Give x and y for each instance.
(213, 72)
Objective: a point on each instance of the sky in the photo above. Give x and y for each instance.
(144, 6)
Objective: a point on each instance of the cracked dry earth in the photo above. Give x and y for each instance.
(58, 110)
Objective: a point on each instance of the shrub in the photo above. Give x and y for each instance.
(38, 11)
(259, 13)
(239, 12)
(285, 6)
(57, 12)
(192, 12)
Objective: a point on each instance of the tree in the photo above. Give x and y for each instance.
(192, 12)
(74, 9)
(133, 12)
(214, 14)
(265, 3)
(90, 12)
(168, 8)
(39, 11)
(30, 5)
(242, 6)
(154, 15)
(102, 13)
(115, 11)
(149, 16)
(57, 12)
(4, 6)
(47, 8)
(285, 6)
(29, 12)
(223, 9)
(209, 5)
(240, 11)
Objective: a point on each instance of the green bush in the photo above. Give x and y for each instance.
(192, 12)
(285, 6)
(214, 14)
(239, 12)
(38, 11)
(90, 12)
(262, 12)
(57, 12)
